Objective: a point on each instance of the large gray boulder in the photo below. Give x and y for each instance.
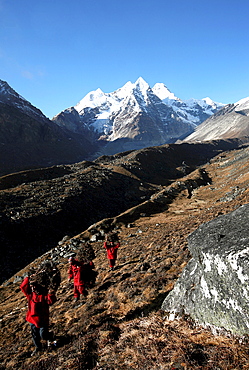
(214, 287)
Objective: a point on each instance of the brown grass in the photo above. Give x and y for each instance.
(145, 343)
(120, 326)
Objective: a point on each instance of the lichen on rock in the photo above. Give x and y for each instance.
(214, 287)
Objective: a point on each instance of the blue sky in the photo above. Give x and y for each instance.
(53, 52)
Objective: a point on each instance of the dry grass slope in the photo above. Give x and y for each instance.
(120, 326)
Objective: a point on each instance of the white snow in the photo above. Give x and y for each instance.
(212, 103)
(242, 104)
(91, 100)
(110, 103)
(142, 84)
(137, 97)
(162, 92)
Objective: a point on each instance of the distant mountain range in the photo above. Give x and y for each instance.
(133, 117)
(231, 121)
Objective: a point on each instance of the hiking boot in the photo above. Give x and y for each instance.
(51, 345)
(76, 299)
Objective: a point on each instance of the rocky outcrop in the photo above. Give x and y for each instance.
(213, 288)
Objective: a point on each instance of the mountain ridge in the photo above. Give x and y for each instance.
(229, 122)
(132, 117)
(136, 113)
(31, 140)
(10, 97)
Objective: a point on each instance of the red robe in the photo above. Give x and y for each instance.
(111, 249)
(38, 305)
(78, 271)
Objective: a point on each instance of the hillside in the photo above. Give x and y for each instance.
(40, 207)
(28, 143)
(120, 325)
(30, 140)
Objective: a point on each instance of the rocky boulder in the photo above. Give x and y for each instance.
(213, 288)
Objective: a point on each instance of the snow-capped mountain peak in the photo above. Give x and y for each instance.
(160, 90)
(124, 91)
(136, 111)
(91, 100)
(213, 104)
(141, 84)
(112, 102)
(142, 93)
(231, 121)
(128, 90)
(242, 105)
(208, 100)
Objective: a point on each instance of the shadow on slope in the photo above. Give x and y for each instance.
(46, 204)
(119, 324)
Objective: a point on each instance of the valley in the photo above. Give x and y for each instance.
(36, 206)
